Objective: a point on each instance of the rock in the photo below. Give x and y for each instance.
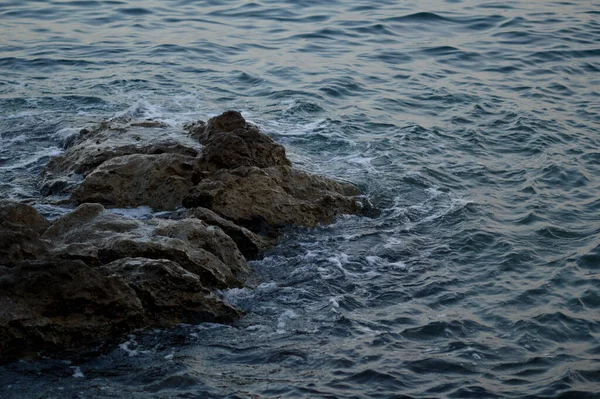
(159, 181)
(196, 130)
(231, 142)
(85, 252)
(212, 239)
(251, 245)
(22, 215)
(18, 244)
(62, 304)
(169, 293)
(265, 200)
(20, 228)
(118, 137)
(201, 249)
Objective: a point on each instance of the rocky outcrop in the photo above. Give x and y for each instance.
(250, 244)
(93, 274)
(231, 142)
(102, 274)
(245, 177)
(50, 304)
(169, 294)
(199, 248)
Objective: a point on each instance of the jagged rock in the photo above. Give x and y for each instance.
(251, 245)
(118, 137)
(201, 249)
(169, 293)
(20, 228)
(196, 130)
(95, 273)
(265, 200)
(231, 142)
(22, 215)
(85, 252)
(60, 304)
(159, 181)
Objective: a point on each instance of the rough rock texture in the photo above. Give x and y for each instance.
(20, 229)
(159, 181)
(201, 249)
(110, 139)
(62, 304)
(93, 274)
(231, 142)
(265, 200)
(251, 245)
(86, 287)
(169, 293)
(22, 215)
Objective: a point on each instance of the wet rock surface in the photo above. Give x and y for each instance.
(93, 274)
(159, 181)
(91, 147)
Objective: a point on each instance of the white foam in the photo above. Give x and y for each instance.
(129, 347)
(393, 243)
(283, 319)
(33, 158)
(77, 373)
(434, 192)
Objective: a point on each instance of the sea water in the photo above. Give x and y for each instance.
(472, 126)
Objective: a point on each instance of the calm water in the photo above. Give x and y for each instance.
(474, 126)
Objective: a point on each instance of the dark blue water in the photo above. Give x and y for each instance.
(473, 126)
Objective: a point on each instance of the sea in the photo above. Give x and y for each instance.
(473, 127)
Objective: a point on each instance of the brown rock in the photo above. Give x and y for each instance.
(251, 245)
(20, 228)
(199, 248)
(231, 142)
(265, 200)
(62, 304)
(22, 215)
(159, 181)
(169, 293)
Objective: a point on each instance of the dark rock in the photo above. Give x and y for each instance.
(159, 181)
(20, 228)
(23, 216)
(231, 142)
(265, 200)
(201, 249)
(169, 293)
(250, 244)
(196, 130)
(62, 304)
